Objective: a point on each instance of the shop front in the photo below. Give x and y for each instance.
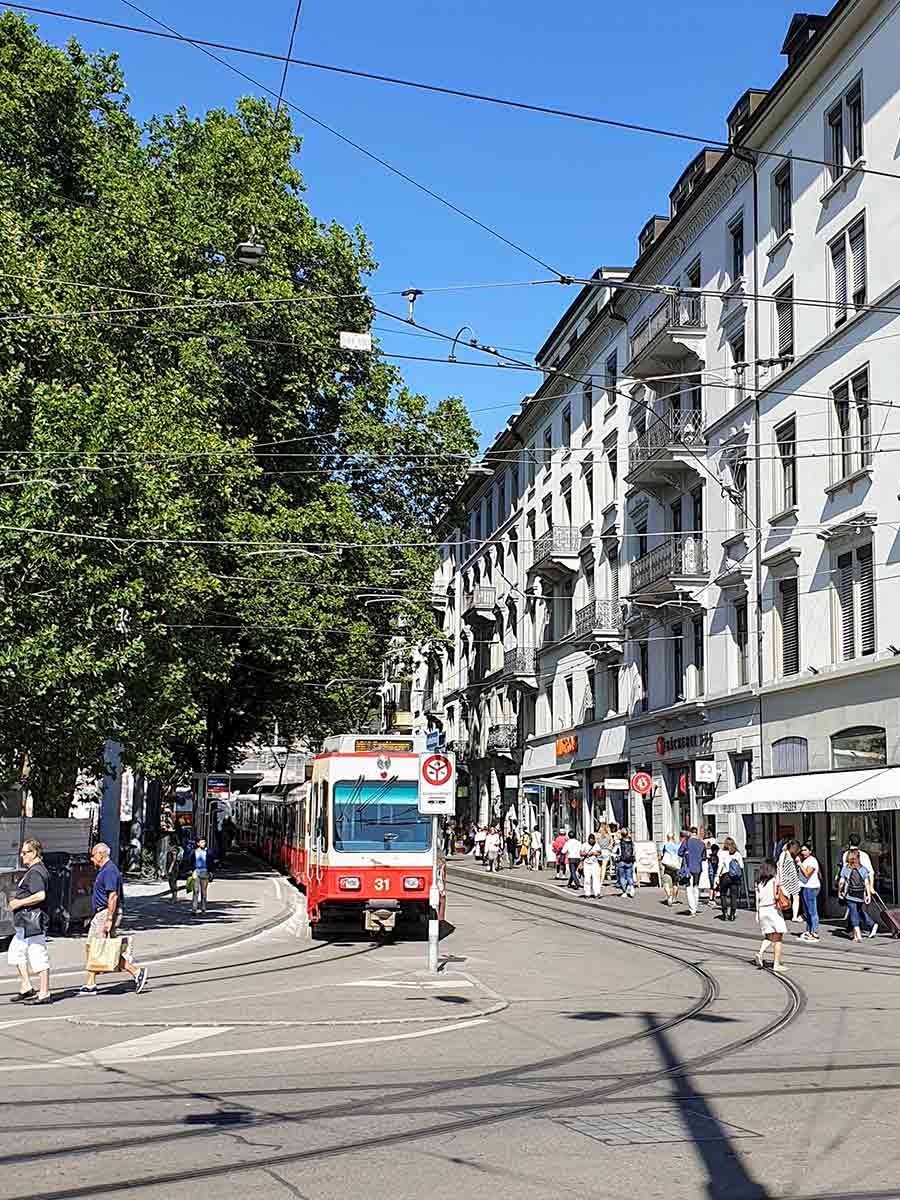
(547, 766)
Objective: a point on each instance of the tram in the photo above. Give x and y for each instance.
(351, 835)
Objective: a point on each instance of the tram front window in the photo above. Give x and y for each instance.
(375, 816)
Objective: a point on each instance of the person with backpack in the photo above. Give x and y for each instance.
(729, 877)
(855, 886)
(670, 862)
(693, 857)
(605, 842)
(626, 864)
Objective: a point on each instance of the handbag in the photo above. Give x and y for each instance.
(30, 921)
(670, 859)
(782, 899)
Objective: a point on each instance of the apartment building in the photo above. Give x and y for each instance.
(681, 551)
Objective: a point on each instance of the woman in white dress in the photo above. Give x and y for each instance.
(769, 916)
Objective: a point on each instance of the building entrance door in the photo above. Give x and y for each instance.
(877, 836)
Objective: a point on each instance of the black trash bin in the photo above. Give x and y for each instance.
(71, 884)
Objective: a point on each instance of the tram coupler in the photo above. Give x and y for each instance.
(381, 915)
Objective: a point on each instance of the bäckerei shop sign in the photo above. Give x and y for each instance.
(688, 741)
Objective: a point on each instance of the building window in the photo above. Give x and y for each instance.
(613, 560)
(790, 756)
(784, 322)
(699, 656)
(569, 716)
(853, 446)
(501, 498)
(548, 446)
(739, 493)
(742, 642)
(692, 275)
(786, 441)
(864, 746)
(855, 586)
(640, 533)
(613, 463)
(676, 632)
(788, 612)
(589, 704)
(589, 494)
(644, 672)
(781, 200)
(548, 705)
(612, 375)
(697, 510)
(531, 456)
(476, 524)
(736, 246)
(848, 267)
(737, 355)
(514, 483)
(612, 690)
(567, 427)
(587, 402)
(844, 132)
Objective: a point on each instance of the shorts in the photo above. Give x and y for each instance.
(99, 920)
(32, 950)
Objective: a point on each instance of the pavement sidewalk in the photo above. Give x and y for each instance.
(245, 898)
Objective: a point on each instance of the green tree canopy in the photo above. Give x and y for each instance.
(169, 420)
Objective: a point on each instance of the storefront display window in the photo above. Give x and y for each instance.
(876, 834)
(865, 746)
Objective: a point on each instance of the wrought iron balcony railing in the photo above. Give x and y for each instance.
(520, 661)
(558, 540)
(678, 427)
(681, 555)
(597, 617)
(676, 312)
(479, 600)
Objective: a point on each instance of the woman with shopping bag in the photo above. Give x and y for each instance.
(105, 951)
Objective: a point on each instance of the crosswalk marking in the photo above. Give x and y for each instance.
(138, 1047)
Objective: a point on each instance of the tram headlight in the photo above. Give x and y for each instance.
(414, 883)
(349, 883)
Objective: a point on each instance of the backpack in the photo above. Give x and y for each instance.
(626, 852)
(856, 885)
(734, 869)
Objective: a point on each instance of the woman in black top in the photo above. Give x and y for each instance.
(31, 920)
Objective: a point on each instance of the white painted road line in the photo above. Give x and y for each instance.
(444, 984)
(133, 1051)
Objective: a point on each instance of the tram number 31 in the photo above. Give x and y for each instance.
(382, 885)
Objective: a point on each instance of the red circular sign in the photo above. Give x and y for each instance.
(437, 770)
(641, 782)
(660, 745)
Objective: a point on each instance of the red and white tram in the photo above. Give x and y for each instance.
(352, 836)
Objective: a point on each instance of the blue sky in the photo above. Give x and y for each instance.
(576, 195)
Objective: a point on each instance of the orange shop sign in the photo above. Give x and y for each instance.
(567, 745)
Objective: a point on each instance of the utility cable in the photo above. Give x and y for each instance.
(287, 60)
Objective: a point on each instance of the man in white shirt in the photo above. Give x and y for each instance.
(492, 844)
(810, 885)
(572, 851)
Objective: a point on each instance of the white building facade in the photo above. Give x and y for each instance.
(682, 553)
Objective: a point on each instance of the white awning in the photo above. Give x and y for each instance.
(560, 781)
(874, 790)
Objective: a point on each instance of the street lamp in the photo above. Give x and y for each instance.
(251, 252)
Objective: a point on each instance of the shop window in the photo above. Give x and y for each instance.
(864, 746)
(790, 756)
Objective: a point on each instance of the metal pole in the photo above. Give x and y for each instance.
(434, 901)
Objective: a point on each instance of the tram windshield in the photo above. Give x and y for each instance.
(374, 816)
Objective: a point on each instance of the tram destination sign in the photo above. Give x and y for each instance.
(437, 784)
(390, 745)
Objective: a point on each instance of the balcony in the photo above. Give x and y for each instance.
(478, 606)
(677, 563)
(666, 445)
(520, 668)
(677, 327)
(434, 702)
(556, 552)
(601, 619)
(503, 740)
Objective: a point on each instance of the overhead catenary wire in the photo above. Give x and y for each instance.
(459, 93)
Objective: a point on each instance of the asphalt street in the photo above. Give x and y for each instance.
(566, 1045)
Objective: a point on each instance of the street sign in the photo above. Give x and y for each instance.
(433, 739)
(641, 783)
(613, 784)
(437, 784)
(705, 770)
(355, 341)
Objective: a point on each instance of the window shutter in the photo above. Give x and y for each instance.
(839, 279)
(858, 257)
(785, 313)
(614, 579)
(790, 629)
(866, 600)
(845, 598)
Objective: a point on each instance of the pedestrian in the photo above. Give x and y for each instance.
(712, 870)
(200, 875)
(769, 916)
(537, 850)
(810, 884)
(693, 856)
(729, 877)
(525, 848)
(670, 862)
(107, 902)
(512, 844)
(478, 845)
(31, 920)
(572, 855)
(492, 844)
(174, 855)
(590, 868)
(855, 886)
(626, 864)
(788, 875)
(558, 843)
(605, 842)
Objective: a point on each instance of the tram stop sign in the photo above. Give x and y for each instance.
(437, 784)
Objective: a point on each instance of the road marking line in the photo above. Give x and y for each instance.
(140, 1047)
(444, 984)
(100, 1058)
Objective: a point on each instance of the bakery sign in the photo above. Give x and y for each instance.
(688, 741)
(567, 745)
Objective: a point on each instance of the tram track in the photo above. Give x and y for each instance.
(790, 1010)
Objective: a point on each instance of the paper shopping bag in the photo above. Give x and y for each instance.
(103, 955)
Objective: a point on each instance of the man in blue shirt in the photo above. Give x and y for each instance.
(693, 856)
(107, 903)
